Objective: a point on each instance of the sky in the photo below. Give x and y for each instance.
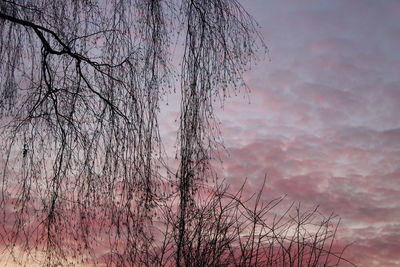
(322, 118)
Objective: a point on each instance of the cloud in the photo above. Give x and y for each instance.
(323, 121)
(352, 171)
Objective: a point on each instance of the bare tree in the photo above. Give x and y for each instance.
(81, 83)
(80, 95)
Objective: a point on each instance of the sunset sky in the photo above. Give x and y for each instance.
(324, 117)
(320, 119)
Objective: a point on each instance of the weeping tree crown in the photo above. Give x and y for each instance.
(84, 178)
(81, 88)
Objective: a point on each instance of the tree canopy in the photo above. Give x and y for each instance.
(84, 173)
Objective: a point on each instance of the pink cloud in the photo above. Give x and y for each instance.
(304, 168)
